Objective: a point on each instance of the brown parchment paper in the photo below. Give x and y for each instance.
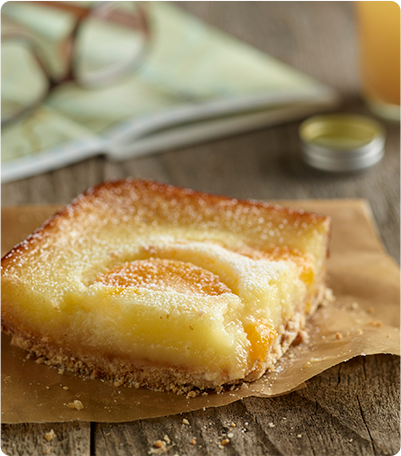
(363, 320)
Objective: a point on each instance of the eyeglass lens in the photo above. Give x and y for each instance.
(105, 48)
(109, 44)
(23, 83)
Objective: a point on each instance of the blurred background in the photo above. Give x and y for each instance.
(318, 40)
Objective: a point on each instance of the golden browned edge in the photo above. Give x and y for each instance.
(151, 188)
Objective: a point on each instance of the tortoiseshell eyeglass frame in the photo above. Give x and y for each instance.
(139, 21)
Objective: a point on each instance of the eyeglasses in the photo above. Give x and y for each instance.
(105, 43)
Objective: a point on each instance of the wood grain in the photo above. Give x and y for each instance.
(29, 439)
(351, 409)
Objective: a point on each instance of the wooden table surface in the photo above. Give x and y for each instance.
(352, 408)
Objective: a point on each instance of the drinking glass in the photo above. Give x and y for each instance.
(378, 26)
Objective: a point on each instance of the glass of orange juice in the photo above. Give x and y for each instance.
(378, 24)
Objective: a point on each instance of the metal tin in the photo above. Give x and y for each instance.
(342, 142)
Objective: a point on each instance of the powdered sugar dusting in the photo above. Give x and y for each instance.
(135, 252)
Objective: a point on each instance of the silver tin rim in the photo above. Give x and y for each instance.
(331, 158)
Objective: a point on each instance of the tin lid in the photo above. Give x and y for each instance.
(342, 142)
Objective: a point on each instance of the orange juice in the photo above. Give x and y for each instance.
(379, 51)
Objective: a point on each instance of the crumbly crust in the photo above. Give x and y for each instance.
(158, 378)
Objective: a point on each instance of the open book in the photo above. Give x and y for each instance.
(196, 84)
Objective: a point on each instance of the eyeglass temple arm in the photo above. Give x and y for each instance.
(138, 20)
(76, 10)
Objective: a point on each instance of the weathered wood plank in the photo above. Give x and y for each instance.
(29, 439)
(58, 186)
(364, 396)
(349, 409)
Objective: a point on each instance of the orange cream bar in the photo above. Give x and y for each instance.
(165, 287)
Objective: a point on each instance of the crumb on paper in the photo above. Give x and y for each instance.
(230, 435)
(339, 336)
(225, 442)
(61, 371)
(233, 425)
(271, 425)
(299, 436)
(191, 394)
(350, 440)
(376, 323)
(50, 435)
(65, 388)
(185, 421)
(77, 405)
(193, 441)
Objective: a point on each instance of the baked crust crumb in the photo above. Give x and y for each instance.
(76, 404)
(50, 435)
